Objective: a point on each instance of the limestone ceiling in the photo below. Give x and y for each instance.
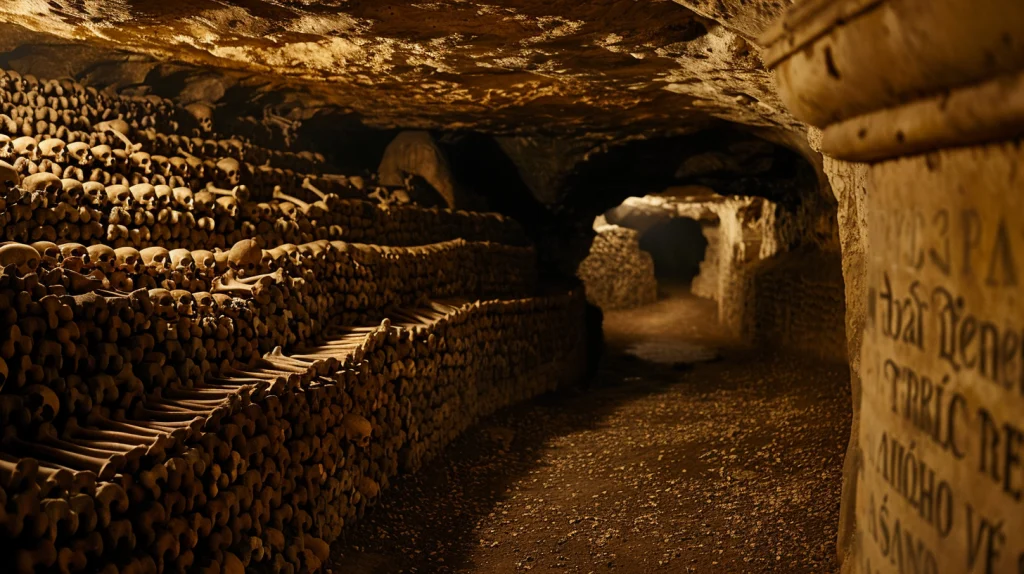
(503, 66)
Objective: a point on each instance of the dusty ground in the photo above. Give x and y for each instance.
(727, 466)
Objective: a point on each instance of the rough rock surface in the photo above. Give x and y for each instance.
(849, 184)
(497, 65)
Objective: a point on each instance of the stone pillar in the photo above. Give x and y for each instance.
(929, 94)
(705, 284)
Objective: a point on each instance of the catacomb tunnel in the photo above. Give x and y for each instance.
(495, 286)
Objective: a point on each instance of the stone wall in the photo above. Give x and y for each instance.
(775, 273)
(741, 231)
(797, 303)
(705, 284)
(849, 184)
(617, 274)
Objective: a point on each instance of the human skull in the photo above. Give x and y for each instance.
(204, 260)
(164, 195)
(144, 194)
(229, 171)
(266, 210)
(163, 302)
(357, 429)
(204, 199)
(103, 258)
(268, 259)
(182, 259)
(53, 149)
(142, 162)
(234, 148)
(26, 147)
(196, 166)
(43, 182)
(49, 252)
(74, 256)
(129, 259)
(245, 257)
(104, 155)
(95, 192)
(117, 125)
(229, 204)
(185, 302)
(184, 197)
(250, 211)
(72, 191)
(288, 209)
(23, 257)
(156, 256)
(179, 166)
(80, 153)
(205, 302)
(120, 195)
(6, 146)
(203, 115)
(209, 149)
(121, 161)
(278, 253)
(162, 165)
(9, 177)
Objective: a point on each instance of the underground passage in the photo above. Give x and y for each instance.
(498, 286)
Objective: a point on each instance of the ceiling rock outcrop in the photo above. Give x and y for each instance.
(500, 66)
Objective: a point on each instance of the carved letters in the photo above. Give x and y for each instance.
(942, 420)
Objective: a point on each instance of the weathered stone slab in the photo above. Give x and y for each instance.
(934, 474)
(942, 412)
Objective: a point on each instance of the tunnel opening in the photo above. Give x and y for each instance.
(678, 247)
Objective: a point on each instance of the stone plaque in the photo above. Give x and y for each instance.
(942, 413)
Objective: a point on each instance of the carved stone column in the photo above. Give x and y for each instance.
(930, 94)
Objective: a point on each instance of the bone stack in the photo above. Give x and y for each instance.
(213, 357)
(617, 273)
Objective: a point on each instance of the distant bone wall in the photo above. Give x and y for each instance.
(617, 273)
(796, 302)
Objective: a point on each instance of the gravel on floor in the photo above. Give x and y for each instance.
(732, 465)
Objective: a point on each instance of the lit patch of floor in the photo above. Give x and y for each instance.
(671, 352)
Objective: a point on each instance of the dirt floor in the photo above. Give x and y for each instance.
(728, 465)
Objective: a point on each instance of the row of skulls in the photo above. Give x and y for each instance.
(77, 113)
(144, 195)
(245, 258)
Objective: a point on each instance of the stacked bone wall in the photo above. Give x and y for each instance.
(215, 356)
(796, 302)
(618, 274)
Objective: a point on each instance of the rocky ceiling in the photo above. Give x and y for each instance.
(600, 67)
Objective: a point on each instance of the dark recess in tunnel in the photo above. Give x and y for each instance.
(479, 164)
(677, 247)
(728, 161)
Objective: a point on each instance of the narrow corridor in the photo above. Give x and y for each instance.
(727, 465)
